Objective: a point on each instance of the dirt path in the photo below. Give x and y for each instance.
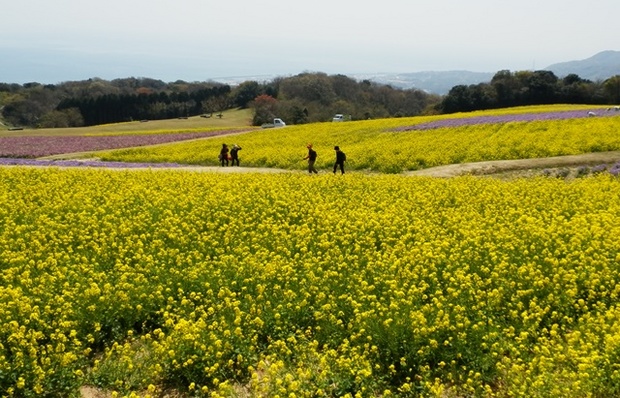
(477, 168)
(230, 169)
(505, 166)
(496, 167)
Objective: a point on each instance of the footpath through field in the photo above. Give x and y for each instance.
(501, 166)
(451, 170)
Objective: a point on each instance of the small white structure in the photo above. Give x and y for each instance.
(277, 122)
(339, 117)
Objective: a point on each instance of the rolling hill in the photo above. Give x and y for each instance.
(598, 67)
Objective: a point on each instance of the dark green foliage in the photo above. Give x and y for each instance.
(308, 97)
(246, 92)
(611, 87)
(98, 101)
(264, 109)
(317, 97)
(304, 98)
(541, 87)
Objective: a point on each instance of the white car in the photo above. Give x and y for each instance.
(339, 117)
(277, 122)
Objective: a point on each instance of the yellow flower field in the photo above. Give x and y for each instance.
(136, 282)
(379, 145)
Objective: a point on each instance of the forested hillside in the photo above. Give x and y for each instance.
(308, 97)
(508, 89)
(304, 98)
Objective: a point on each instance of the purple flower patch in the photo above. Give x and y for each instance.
(39, 146)
(599, 168)
(82, 163)
(492, 119)
(615, 170)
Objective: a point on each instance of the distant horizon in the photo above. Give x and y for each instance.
(53, 66)
(239, 77)
(198, 40)
(71, 68)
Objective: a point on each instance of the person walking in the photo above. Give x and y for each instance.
(340, 158)
(234, 154)
(224, 155)
(311, 157)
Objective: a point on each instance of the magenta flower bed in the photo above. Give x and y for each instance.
(38, 146)
(492, 119)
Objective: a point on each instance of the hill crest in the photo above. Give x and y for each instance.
(600, 66)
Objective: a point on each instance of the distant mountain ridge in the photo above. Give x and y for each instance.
(598, 67)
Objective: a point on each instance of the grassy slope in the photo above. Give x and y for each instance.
(231, 119)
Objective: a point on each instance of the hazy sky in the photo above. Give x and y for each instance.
(197, 40)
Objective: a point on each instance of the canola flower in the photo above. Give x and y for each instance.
(397, 145)
(290, 285)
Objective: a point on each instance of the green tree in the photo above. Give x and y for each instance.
(293, 112)
(20, 111)
(575, 90)
(345, 88)
(611, 88)
(245, 93)
(309, 87)
(70, 117)
(506, 87)
(458, 100)
(265, 109)
(483, 96)
(542, 87)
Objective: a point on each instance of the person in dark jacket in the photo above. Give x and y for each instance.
(224, 155)
(234, 154)
(311, 159)
(340, 158)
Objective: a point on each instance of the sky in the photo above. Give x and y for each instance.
(200, 40)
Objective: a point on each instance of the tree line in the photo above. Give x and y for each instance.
(317, 97)
(97, 101)
(509, 89)
(304, 98)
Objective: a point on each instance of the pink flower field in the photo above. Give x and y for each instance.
(39, 146)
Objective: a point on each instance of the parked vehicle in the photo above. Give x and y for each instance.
(277, 122)
(341, 118)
